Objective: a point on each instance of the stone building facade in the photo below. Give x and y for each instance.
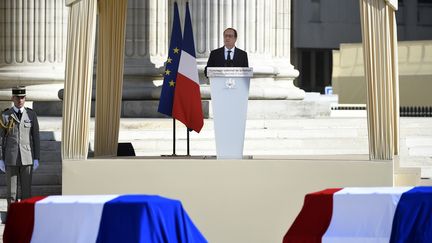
(33, 39)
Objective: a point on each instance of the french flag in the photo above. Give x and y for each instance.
(99, 218)
(375, 214)
(187, 97)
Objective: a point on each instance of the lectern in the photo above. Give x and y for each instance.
(229, 95)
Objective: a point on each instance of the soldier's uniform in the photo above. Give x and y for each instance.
(20, 146)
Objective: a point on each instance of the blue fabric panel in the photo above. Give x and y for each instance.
(168, 86)
(188, 44)
(413, 217)
(149, 219)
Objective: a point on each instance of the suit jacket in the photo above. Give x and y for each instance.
(20, 139)
(217, 59)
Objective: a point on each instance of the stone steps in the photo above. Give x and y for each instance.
(49, 145)
(50, 124)
(153, 136)
(47, 179)
(38, 190)
(296, 136)
(314, 105)
(251, 133)
(40, 178)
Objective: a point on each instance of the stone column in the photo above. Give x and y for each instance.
(33, 41)
(146, 48)
(281, 55)
(32, 47)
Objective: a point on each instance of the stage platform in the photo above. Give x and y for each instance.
(253, 200)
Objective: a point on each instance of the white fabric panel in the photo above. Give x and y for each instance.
(70, 2)
(68, 219)
(363, 215)
(78, 79)
(109, 77)
(393, 4)
(188, 67)
(379, 36)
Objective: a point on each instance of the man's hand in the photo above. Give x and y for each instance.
(2, 166)
(35, 164)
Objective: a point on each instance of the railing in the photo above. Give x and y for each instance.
(405, 111)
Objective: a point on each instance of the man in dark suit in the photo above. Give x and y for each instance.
(228, 55)
(19, 146)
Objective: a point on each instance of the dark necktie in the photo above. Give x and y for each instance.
(19, 114)
(229, 62)
(229, 55)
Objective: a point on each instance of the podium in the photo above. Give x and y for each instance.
(229, 96)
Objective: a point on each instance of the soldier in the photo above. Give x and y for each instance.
(20, 146)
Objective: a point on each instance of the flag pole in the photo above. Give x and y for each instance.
(187, 83)
(166, 99)
(174, 138)
(188, 143)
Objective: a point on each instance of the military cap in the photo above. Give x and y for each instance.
(19, 91)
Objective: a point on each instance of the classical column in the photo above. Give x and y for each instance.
(32, 47)
(264, 29)
(145, 48)
(281, 54)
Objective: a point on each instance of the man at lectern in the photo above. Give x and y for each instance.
(228, 55)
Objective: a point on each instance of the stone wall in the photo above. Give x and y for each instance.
(415, 73)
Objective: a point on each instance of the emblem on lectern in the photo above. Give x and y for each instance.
(230, 83)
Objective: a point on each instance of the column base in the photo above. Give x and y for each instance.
(41, 92)
(257, 109)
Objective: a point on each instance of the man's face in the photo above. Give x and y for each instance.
(229, 38)
(18, 101)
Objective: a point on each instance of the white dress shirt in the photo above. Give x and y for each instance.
(17, 109)
(232, 52)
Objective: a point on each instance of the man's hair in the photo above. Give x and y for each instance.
(235, 31)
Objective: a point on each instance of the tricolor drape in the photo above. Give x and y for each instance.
(78, 78)
(381, 70)
(109, 81)
(99, 219)
(364, 214)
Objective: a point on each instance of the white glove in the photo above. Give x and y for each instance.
(35, 164)
(2, 166)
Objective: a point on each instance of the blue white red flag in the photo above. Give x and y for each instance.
(187, 98)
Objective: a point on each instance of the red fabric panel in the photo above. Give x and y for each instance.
(187, 103)
(20, 221)
(314, 218)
